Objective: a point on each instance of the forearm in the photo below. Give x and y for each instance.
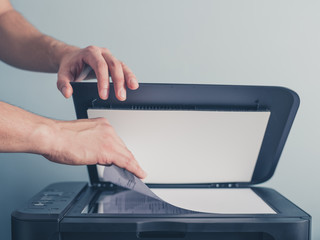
(21, 131)
(80, 142)
(23, 46)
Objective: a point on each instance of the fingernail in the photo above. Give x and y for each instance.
(122, 94)
(104, 93)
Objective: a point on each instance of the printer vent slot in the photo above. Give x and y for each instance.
(161, 107)
(179, 107)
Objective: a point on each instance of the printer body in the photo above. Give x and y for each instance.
(237, 209)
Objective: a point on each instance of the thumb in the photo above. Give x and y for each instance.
(64, 86)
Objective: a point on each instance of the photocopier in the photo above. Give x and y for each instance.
(204, 147)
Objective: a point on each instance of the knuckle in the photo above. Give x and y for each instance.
(104, 121)
(103, 84)
(114, 63)
(108, 161)
(128, 162)
(91, 48)
(131, 75)
(105, 50)
(100, 159)
(104, 160)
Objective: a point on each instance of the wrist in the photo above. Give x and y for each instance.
(57, 51)
(43, 137)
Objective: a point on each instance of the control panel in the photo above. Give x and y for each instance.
(52, 201)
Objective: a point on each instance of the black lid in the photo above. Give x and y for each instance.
(282, 104)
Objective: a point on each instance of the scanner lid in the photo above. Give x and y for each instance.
(195, 135)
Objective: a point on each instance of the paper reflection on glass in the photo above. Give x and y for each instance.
(130, 202)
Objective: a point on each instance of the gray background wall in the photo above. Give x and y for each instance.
(182, 41)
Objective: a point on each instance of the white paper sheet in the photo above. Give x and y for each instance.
(190, 146)
(207, 200)
(224, 201)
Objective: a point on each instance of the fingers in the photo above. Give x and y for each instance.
(130, 78)
(102, 62)
(116, 151)
(127, 161)
(121, 75)
(117, 75)
(94, 141)
(95, 59)
(64, 85)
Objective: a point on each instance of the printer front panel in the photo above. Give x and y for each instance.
(184, 228)
(78, 221)
(86, 220)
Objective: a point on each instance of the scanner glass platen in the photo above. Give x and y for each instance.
(190, 201)
(131, 202)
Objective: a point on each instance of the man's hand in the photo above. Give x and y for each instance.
(88, 142)
(104, 65)
(79, 142)
(25, 47)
